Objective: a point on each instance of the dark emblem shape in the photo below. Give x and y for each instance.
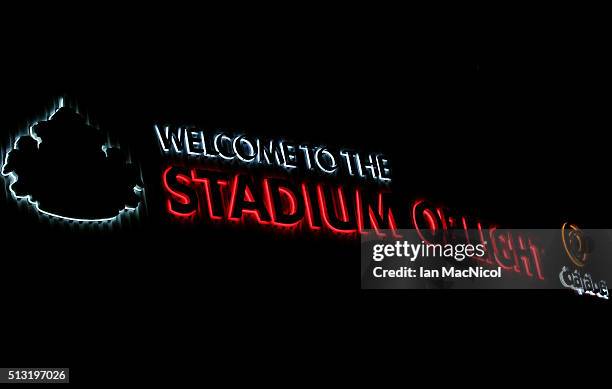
(64, 169)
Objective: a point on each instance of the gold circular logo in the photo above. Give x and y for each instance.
(574, 243)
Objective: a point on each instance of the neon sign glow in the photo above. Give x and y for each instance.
(30, 166)
(250, 151)
(207, 182)
(200, 194)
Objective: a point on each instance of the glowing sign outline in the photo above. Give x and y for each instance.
(13, 178)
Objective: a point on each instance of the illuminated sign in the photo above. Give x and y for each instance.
(576, 246)
(104, 186)
(583, 283)
(213, 195)
(206, 182)
(220, 177)
(280, 153)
